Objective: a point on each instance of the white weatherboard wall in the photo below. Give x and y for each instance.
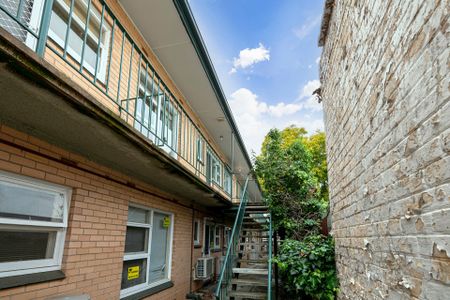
(385, 87)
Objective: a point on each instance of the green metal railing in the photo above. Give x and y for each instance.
(269, 259)
(87, 36)
(226, 272)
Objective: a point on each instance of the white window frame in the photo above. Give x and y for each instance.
(227, 236)
(196, 232)
(227, 181)
(103, 60)
(144, 286)
(42, 265)
(217, 237)
(200, 149)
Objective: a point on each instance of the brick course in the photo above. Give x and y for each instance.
(385, 87)
(94, 247)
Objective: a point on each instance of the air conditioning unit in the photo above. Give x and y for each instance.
(205, 268)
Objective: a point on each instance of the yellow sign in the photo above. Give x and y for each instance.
(166, 222)
(133, 272)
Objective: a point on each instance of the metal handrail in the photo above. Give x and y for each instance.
(227, 267)
(269, 283)
(121, 80)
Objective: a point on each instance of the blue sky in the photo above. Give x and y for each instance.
(266, 56)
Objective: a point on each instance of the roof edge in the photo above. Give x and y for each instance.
(187, 17)
(327, 12)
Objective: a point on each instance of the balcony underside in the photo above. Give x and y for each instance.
(37, 99)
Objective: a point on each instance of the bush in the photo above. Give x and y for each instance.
(307, 268)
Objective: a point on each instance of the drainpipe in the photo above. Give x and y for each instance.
(232, 163)
(192, 248)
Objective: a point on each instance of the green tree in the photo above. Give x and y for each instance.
(292, 171)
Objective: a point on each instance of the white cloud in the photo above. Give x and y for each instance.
(255, 118)
(307, 100)
(248, 57)
(306, 28)
(318, 60)
(309, 88)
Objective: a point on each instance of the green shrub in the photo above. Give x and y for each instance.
(307, 268)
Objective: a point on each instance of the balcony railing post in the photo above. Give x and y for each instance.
(43, 29)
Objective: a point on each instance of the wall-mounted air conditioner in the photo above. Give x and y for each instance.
(204, 268)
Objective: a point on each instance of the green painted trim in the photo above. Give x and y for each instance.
(188, 20)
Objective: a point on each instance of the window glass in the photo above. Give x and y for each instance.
(33, 221)
(227, 181)
(77, 32)
(134, 272)
(28, 203)
(147, 249)
(18, 245)
(159, 248)
(138, 215)
(200, 149)
(136, 239)
(217, 237)
(196, 232)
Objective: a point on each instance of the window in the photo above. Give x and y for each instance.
(217, 237)
(196, 232)
(156, 116)
(227, 181)
(148, 244)
(97, 39)
(29, 16)
(213, 168)
(227, 236)
(33, 222)
(199, 149)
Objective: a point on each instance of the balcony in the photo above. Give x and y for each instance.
(123, 96)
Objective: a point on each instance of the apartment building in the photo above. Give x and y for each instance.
(119, 155)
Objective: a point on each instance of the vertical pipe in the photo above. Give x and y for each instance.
(43, 29)
(86, 29)
(19, 10)
(275, 249)
(130, 74)
(110, 55)
(99, 43)
(69, 23)
(120, 69)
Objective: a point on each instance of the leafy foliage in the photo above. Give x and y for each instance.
(308, 267)
(292, 171)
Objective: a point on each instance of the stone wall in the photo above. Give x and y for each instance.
(385, 88)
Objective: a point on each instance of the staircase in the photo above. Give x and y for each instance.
(247, 272)
(250, 276)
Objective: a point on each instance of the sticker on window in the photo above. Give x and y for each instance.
(133, 272)
(166, 222)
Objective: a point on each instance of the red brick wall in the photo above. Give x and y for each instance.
(93, 251)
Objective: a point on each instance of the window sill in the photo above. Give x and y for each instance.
(197, 246)
(15, 281)
(149, 291)
(216, 250)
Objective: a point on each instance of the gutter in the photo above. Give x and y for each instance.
(185, 12)
(327, 12)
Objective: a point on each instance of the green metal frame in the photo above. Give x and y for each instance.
(226, 273)
(269, 277)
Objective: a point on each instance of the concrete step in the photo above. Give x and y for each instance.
(247, 295)
(253, 261)
(253, 244)
(251, 271)
(252, 282)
